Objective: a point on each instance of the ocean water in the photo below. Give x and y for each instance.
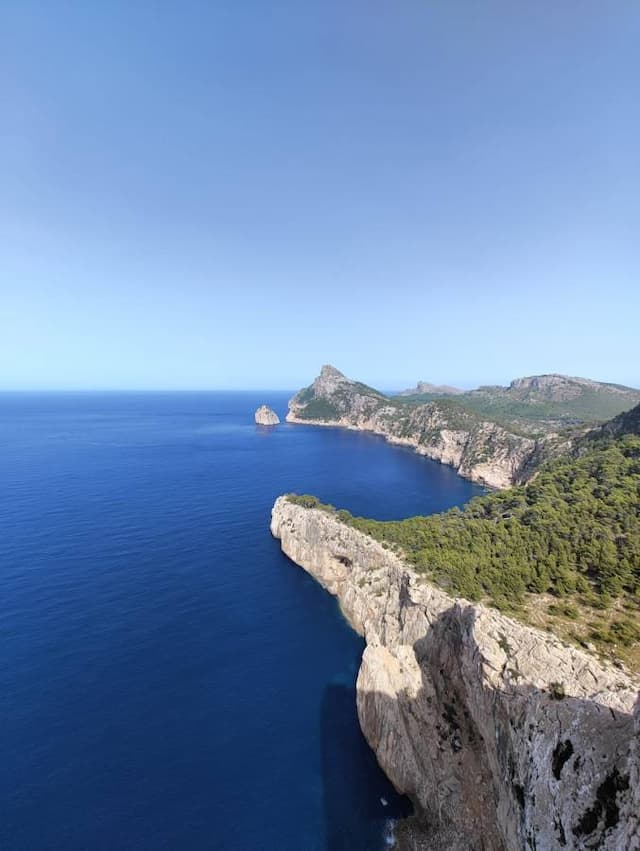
(168, 679)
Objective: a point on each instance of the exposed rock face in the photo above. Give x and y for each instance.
(504, 737)
(479, 450)
(495, 435)
(330, 380)
(266, 417)
(561, 387)
(627, 423)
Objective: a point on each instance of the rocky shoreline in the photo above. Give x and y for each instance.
(478, 449)
(458, 449)
(503, 736)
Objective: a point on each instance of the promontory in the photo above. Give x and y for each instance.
(500, 683)
(494, 435)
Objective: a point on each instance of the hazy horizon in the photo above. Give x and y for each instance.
(394, 387)
(226, 196)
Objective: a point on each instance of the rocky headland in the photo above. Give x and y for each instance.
(503, 736)
(479, 450)
(497, 436)
(265, 416)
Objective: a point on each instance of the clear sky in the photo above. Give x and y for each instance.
(229, 194)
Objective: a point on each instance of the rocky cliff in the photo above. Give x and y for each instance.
(503, 736)
(498, 436)
(479, 449)
(266, 416)
(559, 388)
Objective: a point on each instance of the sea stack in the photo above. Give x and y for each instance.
(266, 417)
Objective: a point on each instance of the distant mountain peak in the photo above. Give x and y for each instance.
(329, 371)
(548, 381)
(329, 380)
(424, 387)
(556, 387)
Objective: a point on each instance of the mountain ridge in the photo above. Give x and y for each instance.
(425, 387)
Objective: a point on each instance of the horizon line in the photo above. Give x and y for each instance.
(466, 386)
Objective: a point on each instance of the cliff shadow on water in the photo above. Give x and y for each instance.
(500, 770)
(348, 766)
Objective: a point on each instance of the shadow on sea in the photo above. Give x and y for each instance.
(348, 765)
(489, 798)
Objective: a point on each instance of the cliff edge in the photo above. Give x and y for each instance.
(503, 736)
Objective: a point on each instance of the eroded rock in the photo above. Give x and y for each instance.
(266, 416)
(463, 709)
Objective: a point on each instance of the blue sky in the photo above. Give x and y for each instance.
(229, 194)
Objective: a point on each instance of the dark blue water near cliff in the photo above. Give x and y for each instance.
(168, 679)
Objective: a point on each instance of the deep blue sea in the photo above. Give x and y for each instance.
(168, 679)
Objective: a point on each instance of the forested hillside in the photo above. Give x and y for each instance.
(570, 537)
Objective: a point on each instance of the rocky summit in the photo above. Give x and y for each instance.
(266, 416)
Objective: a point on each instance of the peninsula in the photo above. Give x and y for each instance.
(493, 435)
(500, 683)
(503, 736)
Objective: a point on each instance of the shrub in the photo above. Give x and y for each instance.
(556, 691)
(566, 610)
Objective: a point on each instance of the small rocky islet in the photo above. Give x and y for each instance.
(266, 416)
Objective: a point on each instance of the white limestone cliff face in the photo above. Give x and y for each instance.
(266, 416)
(464, 709)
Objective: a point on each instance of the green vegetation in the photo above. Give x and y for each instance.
(306, 395)
(591, 406)
(565, 610)
(532, 408)
(571, 536)
(306, 500)
(417, 398)
(557, 691)
(624, 632)
(575, 528)
(520, 414)
(337, 404)
(320, 409)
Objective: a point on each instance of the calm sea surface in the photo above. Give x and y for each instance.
(168, 679)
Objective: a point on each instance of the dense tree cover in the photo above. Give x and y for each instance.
(573, 530)
(589, 406)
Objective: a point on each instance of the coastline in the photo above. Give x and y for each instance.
(498, 481)
(460, 705)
